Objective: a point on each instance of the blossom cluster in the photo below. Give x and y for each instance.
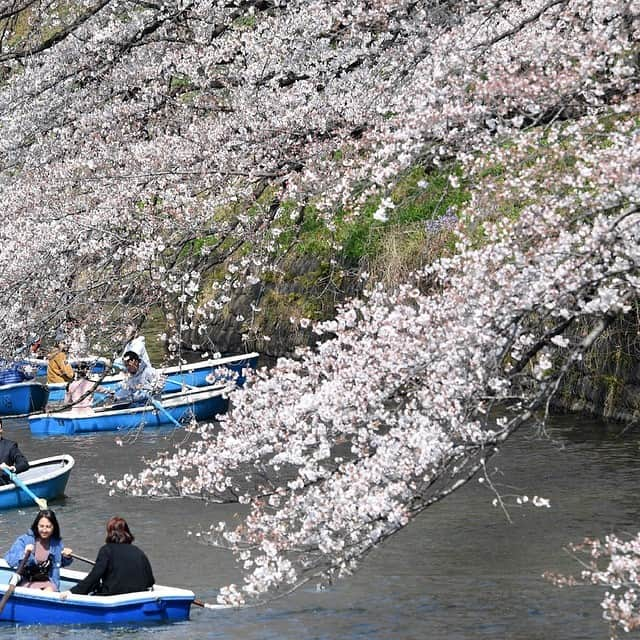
(613, 563)
(335, 450)
(143, 145)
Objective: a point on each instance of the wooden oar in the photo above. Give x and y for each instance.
(206, 605)
(198, 603)
(15, 579)
(41, 502)
(77, 557)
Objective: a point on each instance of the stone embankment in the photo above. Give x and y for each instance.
(607, 382)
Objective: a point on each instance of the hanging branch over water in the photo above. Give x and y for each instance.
(339, 449)
(611, 563)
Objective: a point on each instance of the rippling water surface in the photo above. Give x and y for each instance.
(460, 572)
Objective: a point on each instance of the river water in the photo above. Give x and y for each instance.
(462, 571)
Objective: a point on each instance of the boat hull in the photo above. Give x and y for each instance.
(46, 477)
(199, 404)
(32, 606)
(21, 398)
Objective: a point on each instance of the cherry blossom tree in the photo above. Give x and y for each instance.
(336, 450)
(146, 146)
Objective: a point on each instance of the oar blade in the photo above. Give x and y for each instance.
(41, 502)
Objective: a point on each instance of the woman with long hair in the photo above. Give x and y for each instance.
(47, 553)
(120, 566)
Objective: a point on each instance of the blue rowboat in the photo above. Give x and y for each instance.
(46, 477)
(20, 398)
(195, 374)
(212, 371)
(200, 403)
(33, 606)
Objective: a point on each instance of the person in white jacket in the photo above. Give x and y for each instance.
(140, 383)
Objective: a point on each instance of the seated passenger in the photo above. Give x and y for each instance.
(47, 553)
(141, 380)
(80, 392)
(12, 372)
(11, 458)
(120, 566)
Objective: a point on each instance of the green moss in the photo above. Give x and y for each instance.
(419, 196)
(245, 22)
(307, 233)
(21, 29)
(361, 237)
(612, 383)
(495, 171)
(311, 222)
(277, 306)
(180, 82)
(614, 387)
(18, 28)
(153, 325)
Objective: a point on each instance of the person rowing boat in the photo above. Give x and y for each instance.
(135, 342)
(43, 543)
(11, 457)
(140, 383)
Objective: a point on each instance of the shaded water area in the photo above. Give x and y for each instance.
(462, 571)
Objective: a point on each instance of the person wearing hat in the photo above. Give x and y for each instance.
(135, 342)
(58, 367)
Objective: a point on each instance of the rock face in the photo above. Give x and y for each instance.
(605, 384)
(607, 381)
(267, 317)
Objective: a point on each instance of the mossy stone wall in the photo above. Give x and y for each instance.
(607, 382)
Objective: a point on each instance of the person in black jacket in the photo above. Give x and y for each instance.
(11, 458)
(120, 567)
